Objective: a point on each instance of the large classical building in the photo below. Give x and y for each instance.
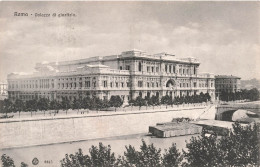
(3, 90)
(226, 83)
(129, 74)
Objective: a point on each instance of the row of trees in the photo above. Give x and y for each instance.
(44, 104)
(169, 100)
(252, 94)
(239, 147)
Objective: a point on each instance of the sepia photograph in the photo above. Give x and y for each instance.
(129, 83)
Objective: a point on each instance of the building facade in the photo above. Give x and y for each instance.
(226, 83)
(3, 90)
(129, 75)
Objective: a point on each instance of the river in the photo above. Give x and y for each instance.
(50, 155)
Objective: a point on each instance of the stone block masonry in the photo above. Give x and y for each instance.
(50, 131)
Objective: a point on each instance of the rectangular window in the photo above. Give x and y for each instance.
(128, 84)
(148, 69)
(173, 69)
(104, 84)
(87, 84)
(152, 69)
(121, 68)
(117, 84)
(157, 69)
(170, 69)
(122, 84)
(127, 67)
(148, 85)
(111, 84)
(140, 84)
(166, 68)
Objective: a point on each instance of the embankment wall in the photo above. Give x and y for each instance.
(57, 130)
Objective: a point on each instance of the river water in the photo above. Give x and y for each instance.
(50, 155)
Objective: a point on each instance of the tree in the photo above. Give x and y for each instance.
(139, 101)
(172, 157)
(76, 104)
(43, 104)
(149, 156)
(19, 106)
(86, 102)
(115, 101)
(100, 156)
(65, 103)
(155, 100)
(207, 97)
(240, 147)
(55, 105)
(105, 104)
(7, 161)
(31, 105)
(253, 94)
(203, 151)
(7, 106)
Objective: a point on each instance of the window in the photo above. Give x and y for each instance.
(122, 84)
(211, 84)
(166, 68)
(152, 84)
(111, 84)
(128, 84)
(170, 69)
(157, 84)
(152, 69)
(140, 83)
(94, 84)
(148, 84)
(148, 69)
(121, 68)
(117, 84)
(194, 70)
(157, 69)
(104, 84)
(173, 68)
(139, 66)
(127, 67)
(87, 84)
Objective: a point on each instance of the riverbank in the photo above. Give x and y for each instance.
(33, 132)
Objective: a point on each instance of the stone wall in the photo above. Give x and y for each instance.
(48, 131)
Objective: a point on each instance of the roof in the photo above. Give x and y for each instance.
(97, 66)
(227, 76)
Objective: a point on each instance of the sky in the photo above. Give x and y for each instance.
(223, 36)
